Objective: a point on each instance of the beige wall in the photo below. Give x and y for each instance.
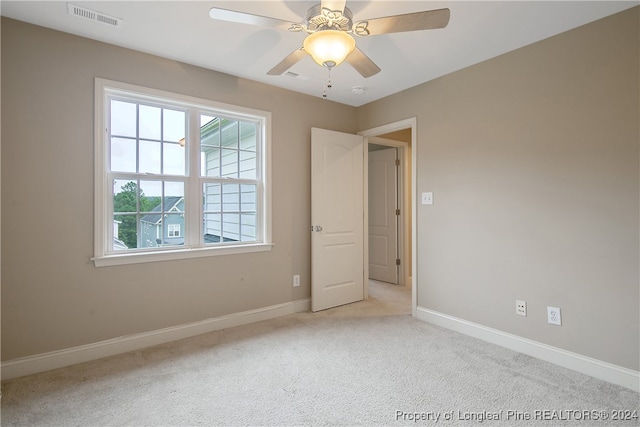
(533, 160)
(52, 295)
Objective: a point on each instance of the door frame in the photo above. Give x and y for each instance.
(409, 155)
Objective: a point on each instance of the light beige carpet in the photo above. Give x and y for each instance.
(368, 363)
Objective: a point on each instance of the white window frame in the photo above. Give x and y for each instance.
(103, 232)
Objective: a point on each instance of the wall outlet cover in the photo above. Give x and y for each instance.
(554, 316)
(521, 308)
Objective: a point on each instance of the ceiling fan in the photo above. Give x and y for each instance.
(330, 27)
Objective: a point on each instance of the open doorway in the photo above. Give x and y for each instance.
(400, 137)
(398, 182)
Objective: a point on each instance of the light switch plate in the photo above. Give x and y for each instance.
(427, 198)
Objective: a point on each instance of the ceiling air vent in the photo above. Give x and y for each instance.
(296, 75)
(92, 15)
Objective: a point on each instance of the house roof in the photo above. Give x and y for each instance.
(169, 203)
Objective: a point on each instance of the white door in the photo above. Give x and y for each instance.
(383, 216)
(337, 217)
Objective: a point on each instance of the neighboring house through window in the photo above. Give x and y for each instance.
(178, 173)
(162, 226)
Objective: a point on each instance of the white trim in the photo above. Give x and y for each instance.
(593, 367)
(71, 356)
(100, 233)
(169, 255)
(365, 216)
(390, 127)
(178, 99)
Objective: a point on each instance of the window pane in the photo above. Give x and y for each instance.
(125, 234)
(212, 198)
(174, 125)
(150, 222)
(210, 140)
(230, 198)
(212, 228)
(150, 233)
(173, 159)
(248, 164)
(209, 131)
(150, 119)
(173, 226)
(248, 198)
(123, 118)
(229, 163)
(150, 194)
(248, 227)
(174, 204)
(229, 133)
(172, 188)
(210, 161)
(231, 227)
(248, 136)
(125, 196)
(150, 157)
(161, 212)
(123, 155)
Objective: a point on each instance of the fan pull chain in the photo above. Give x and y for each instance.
(328, 87)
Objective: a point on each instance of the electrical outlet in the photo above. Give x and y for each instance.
(296, 280)
(521, 308)
(554, 316)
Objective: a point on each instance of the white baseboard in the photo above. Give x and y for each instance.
(596, 368)
(84, 353)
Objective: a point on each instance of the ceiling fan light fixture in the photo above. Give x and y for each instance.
(329, 47)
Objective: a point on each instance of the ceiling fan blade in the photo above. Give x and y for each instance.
(333, 5)
(248, 18)
(361, 62)
(426, 20)
(287, 62)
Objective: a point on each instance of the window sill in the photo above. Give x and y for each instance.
(142, 257)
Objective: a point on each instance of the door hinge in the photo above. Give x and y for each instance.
(397, 162)
(397, 261)
(397, 211)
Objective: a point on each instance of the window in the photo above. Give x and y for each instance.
(174, 230)
(177, 177)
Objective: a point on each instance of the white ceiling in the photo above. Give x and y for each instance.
(183, 31)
